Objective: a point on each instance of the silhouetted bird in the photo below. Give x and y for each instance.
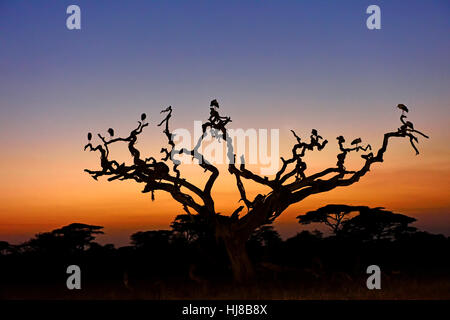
(111, 132)
(402, 107)
(143, 116)
(315, 134)
(169, 108)
(214, 103)
(89, 136)
(409, 124)
(356, 141)
(340, 139)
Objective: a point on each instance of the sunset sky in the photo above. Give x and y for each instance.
(271, 64)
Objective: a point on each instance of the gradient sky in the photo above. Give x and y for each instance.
(271, 64)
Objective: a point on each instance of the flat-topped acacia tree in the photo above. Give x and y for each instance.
(289, 185)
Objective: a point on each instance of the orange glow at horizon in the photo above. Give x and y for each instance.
(49, 191)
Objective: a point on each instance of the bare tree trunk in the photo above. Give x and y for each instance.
(241, 265)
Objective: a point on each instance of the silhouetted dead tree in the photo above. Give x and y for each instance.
(235, 230)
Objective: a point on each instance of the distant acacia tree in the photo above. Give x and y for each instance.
(366, 224)
(332, 215)
(378, 224)
(290, 185)
(68, 239)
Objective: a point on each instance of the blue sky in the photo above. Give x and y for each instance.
(188, 50)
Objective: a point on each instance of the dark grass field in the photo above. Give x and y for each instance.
(401, 288)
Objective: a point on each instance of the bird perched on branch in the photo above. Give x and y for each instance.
(409, 124)
(111, 132)
(402, 107)
(214, 103)
(315, 134)
(356, 141)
